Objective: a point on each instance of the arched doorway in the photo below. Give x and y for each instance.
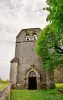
(32, 81)
(32, 76)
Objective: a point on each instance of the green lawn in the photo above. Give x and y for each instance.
(3, 85)
(52, 94)
(59, 85)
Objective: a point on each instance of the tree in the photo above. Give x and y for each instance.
(50, 42)
(55, 9)
(55, 17)
(46, 48)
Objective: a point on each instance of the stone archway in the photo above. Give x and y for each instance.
(33, 76)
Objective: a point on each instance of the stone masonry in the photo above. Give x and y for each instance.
(5, 93)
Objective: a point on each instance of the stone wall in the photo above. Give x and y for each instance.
(58, 75)
(5, 93)
(13, 73)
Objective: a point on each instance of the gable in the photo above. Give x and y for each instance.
(22, 34)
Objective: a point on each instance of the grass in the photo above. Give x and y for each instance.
(52, 94)
(59, 85)
(3, 85)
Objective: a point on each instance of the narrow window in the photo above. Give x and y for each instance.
(27, 37)
(34, 36)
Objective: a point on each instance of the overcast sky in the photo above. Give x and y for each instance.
(14, 16)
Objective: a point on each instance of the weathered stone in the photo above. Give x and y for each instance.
(58, 75)
(50, 79)
(5, 93)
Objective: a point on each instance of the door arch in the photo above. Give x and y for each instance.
(32, 75)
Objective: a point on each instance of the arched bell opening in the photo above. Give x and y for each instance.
(34, 36)
(27, 37)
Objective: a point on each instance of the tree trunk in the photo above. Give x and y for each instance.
(50, 79)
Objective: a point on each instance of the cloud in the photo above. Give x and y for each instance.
(15, 15)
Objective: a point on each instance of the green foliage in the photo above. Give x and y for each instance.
(55, 9)
(36, 95)
(3, 85)
(55, 32)
(45, 48)
(6, 81)
(1, 81)
(59, 85)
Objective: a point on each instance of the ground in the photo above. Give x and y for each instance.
(52, 94)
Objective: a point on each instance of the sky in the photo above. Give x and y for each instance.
(14, 16)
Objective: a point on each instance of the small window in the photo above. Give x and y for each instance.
(34, 36)
(27, 37)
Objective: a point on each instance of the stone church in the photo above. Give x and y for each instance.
(26, 70)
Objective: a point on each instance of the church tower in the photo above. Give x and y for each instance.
(26, 70)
